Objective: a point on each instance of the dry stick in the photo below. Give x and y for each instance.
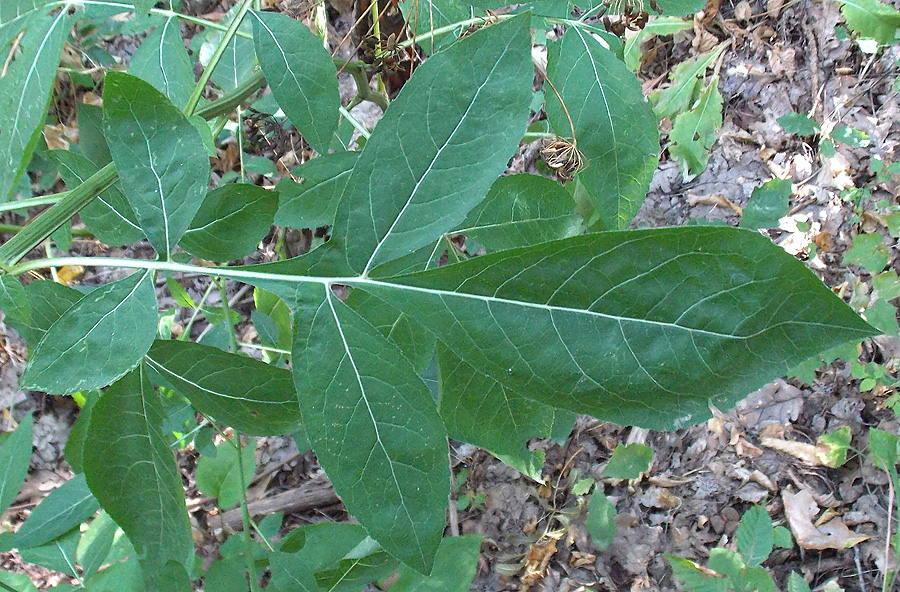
(561, 102)
(313, 494)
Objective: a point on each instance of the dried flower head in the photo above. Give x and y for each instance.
(564, 158)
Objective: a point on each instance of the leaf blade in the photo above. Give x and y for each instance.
(63, 509)
(137, 481)
(118, 319)
(15, 456)
(162, 60)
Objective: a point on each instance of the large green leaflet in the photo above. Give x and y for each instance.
(871, 19)
(132, 472)
(301, 74)
(162, 163)
(63, 509)
(108, 331)
(163, 61)
(252, 396)
(109, 216)
(15, 456)
(521, 210)
(439, 147)
(25, 94)
(614, 127)
(373, 425)
(640, 327)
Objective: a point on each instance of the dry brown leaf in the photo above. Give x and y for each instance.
(539, 556)
(54, 135)
(579, 559)
(743, 11)
(806, 453)
(715, 199)
(801, 509)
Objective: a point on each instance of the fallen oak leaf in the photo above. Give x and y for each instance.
(801, 509)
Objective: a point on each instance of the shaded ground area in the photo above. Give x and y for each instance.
(782, 57)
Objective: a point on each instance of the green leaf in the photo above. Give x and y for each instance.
(109, 330)
(799, 123)
(694, 133)
(162, 163)
(454, 568)
(230, 222)
(869, 251)
(430, 159)
(768, 204)
(253, 397)
(755, 579)
(310, 549)
(58, 555)
(227, 575)
(47, 300)
(729, 563)
(851, 136)
(601, 520)
(119, 577)
(132, 472)
(628, 462)
(678, 96)
(783, 538)
(364, 564)
(796, 583)
(300, 73)
(521, 210)
(109, 216)
(19, 582)
(239, 59)
(312, 202)
(661, 25)
(273, 306)
(614, 127)
(680, 7)
(883, 446)
(90, 134)
(832, 448)
(15, 456)
(63, 509)
(16, 308)
(479, 410)
(163, 61)
(642, 327)
(25, 92)
(871, 19)
(220, 476)
(887, 285)
(882, 315)
(95, 544)
(351, 380)
(755, 535)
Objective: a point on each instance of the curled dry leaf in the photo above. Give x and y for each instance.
(539, 556)
(801, 509)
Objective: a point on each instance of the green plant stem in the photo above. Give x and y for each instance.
(70, 202)
(216, 56)
(232, 340)
(245, 516)
(44, 200)
(15, 228)
(355, 123)
(185, 333)
(264, 348)
(49, 221)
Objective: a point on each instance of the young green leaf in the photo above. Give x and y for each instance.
(677, 97)
(163, 61)
(230, 222)
(601, 523)
(18, 582)
(251, 396)
(220, 476)
(160, 157)
(869, 251)
(132, 472)
(768, 204)
(351, 380)
(799, 123)
(479, 410)
(755, 535)
(783, 538)
(796, 583)
(310, 549)
(884, 448)
(300, 73)
(871, 19)
(454, 568)
(109, 216)
(312, 202)
(521, 210)
(832, 448)
(63, 509)
(424, 168)
(614, 127)
(95, 544)
(58, 554)
(109, 330)
(15, 456)
(638, 327)
(25, 90)
(628, 462)
(694, 132)
(696, 579)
